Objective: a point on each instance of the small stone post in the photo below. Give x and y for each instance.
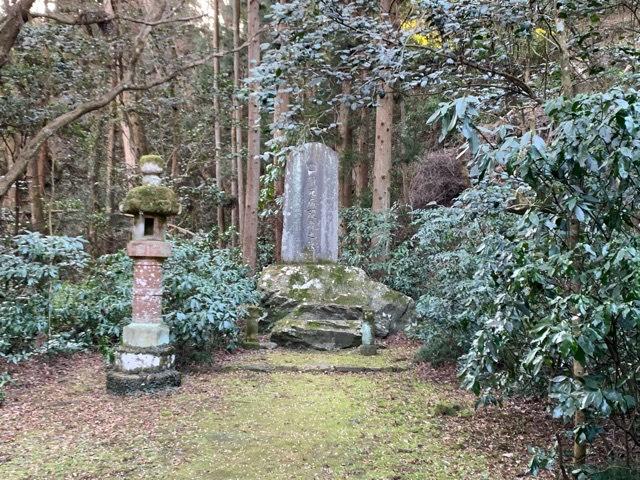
(368, 347)
(145, 359)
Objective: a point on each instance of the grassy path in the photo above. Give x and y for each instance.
(244, 425)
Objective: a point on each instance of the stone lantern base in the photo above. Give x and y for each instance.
(142, 369)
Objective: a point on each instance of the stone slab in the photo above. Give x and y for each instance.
(121, 383)
(310, 212)
(149, 249)
(145, 335)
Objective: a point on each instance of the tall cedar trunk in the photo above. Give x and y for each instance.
(382, 156)
(279, 117)
(234, 186)
(384, 134)
(344, 147)
(36, 188)
(134, 137)
(237, 124)
(250, 233)
(217, 129)
(361, 169)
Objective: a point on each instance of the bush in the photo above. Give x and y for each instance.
(33, 269)
(206, 291)
(567, 320)
(459, 247)
(44, 308)
(440, 265)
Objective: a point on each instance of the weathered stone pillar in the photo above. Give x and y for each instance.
(368, 346)
(145, 359)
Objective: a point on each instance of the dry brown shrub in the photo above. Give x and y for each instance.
(439, 178)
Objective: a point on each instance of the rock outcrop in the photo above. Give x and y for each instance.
(322, 306)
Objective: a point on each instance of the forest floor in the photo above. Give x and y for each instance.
(265, 416)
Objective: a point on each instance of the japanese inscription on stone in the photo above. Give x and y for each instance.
(311, 205)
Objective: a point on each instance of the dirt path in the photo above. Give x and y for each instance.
(297, 419)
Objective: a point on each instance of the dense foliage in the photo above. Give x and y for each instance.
(32, 271)
(570, 283)
(444, 262)
(43, 308)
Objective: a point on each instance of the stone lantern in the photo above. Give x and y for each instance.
(145, 359)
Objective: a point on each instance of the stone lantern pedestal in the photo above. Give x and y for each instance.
(145, 359)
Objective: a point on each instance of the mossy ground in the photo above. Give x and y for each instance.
(310, 358)
(240, 425)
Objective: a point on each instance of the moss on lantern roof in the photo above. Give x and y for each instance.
(151, 199)
(155, 159)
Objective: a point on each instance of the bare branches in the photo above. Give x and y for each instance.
(84, 18)
(160, 22)
(99, 16)
(55, 125)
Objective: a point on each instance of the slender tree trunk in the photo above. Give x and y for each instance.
(279, 117)
(250, 233)
(35, 190)
(568, 90)
(406, 168)
(344, 148)
(110, 161)
(361, 169)
(383, 144)
(217, 128)
(237, 125)
(93, 180)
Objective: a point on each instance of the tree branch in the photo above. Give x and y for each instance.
(51, 128)
(84, 18)
(160, 22)
(10, 27)
(99, 16)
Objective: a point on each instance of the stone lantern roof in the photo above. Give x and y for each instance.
(151, 198)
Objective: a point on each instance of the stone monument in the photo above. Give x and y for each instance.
(310, 233)
(311, 300)
(145, 359)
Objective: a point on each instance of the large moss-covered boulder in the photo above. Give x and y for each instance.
(321, 327)
(285, 287)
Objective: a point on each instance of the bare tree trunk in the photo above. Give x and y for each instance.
(382, 157)
(344, 148)
(110, 161)
(217, 129)
(383, 144)
(406, 168)
(11, 25)
(237, 122)
(93, 180)
(361, 169)
(35, 190)
(250, 233)
(568, 90)
(279, 116)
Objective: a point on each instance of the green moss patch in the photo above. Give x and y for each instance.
(240, 425)
(154, 159)
(151, 199)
